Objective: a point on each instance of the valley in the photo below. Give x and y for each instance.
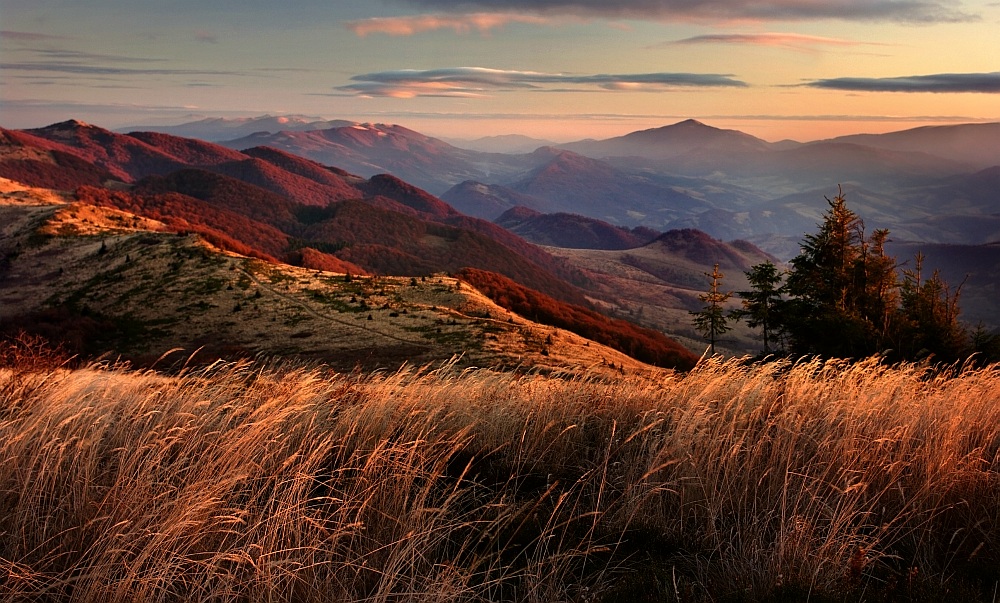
(628, 227)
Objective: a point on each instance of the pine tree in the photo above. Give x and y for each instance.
(842, 288)
(878, 288)
(845, 298)
(712, 321)
(929, 316)
(761, 303)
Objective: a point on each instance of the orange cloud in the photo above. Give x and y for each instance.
(411, 25)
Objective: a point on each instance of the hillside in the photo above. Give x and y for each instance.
(572, 231)
(100, 280)
(656, 285)
(276, 207)
(228, 194)
(370, 149)
(641, 343)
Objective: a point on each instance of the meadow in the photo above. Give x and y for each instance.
(246, 482)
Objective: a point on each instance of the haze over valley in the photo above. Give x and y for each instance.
(627, 226)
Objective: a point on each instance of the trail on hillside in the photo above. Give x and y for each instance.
(311, 311)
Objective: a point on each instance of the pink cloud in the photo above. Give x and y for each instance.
(206, 36)
(903, 11)
(462, 23)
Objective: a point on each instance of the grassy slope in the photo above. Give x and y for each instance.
(150, 291)
(246, 483)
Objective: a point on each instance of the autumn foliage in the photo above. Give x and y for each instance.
(271, 205)
(643, 344)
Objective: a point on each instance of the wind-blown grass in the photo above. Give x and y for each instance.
(243, 482)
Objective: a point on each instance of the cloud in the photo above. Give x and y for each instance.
(463, 23)
(470, 82)
(27, 36)
(48, 60)
(779, 40)
(82, 69)
(206, 37)
(941, 83)
(78, 57)
(909, 11)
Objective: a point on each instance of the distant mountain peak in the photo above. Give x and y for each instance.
(692, 127)
(72, 123)
(69, 125)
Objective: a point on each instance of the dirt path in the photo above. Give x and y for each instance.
(311, 311)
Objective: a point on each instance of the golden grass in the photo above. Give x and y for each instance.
(244, 482)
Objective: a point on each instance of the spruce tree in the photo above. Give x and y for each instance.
(712, 321)
(761, 304)
(845, 298)
(840, 288)
(929, 316)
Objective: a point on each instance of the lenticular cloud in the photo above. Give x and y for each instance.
(942, 83)
(478, 81)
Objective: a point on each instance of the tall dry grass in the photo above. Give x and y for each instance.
(243, 482)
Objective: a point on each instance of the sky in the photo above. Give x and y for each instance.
(554, 69)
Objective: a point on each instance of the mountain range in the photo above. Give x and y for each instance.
(627, 226)
(267, 204)
(689, 174)
(214, 129)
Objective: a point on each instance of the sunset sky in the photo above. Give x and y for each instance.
(557, 69)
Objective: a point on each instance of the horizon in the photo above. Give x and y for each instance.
(558, 70)
(885, 127)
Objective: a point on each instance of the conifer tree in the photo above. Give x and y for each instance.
(842, 288)
(846, 300)
(761, 303)
(712, 321)
(878, 288)
(929, 316)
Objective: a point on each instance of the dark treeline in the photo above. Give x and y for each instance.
(844, 296)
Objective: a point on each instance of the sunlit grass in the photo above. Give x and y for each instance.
(245, 482)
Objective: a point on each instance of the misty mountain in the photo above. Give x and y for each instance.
(977, 145)
(489, 201)
(572, 183)
(572, 231)
(227, 128)
(369, 149)
(507, 143)
(680, 141)
(924, 184)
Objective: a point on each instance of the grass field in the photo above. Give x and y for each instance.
(245, 482)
